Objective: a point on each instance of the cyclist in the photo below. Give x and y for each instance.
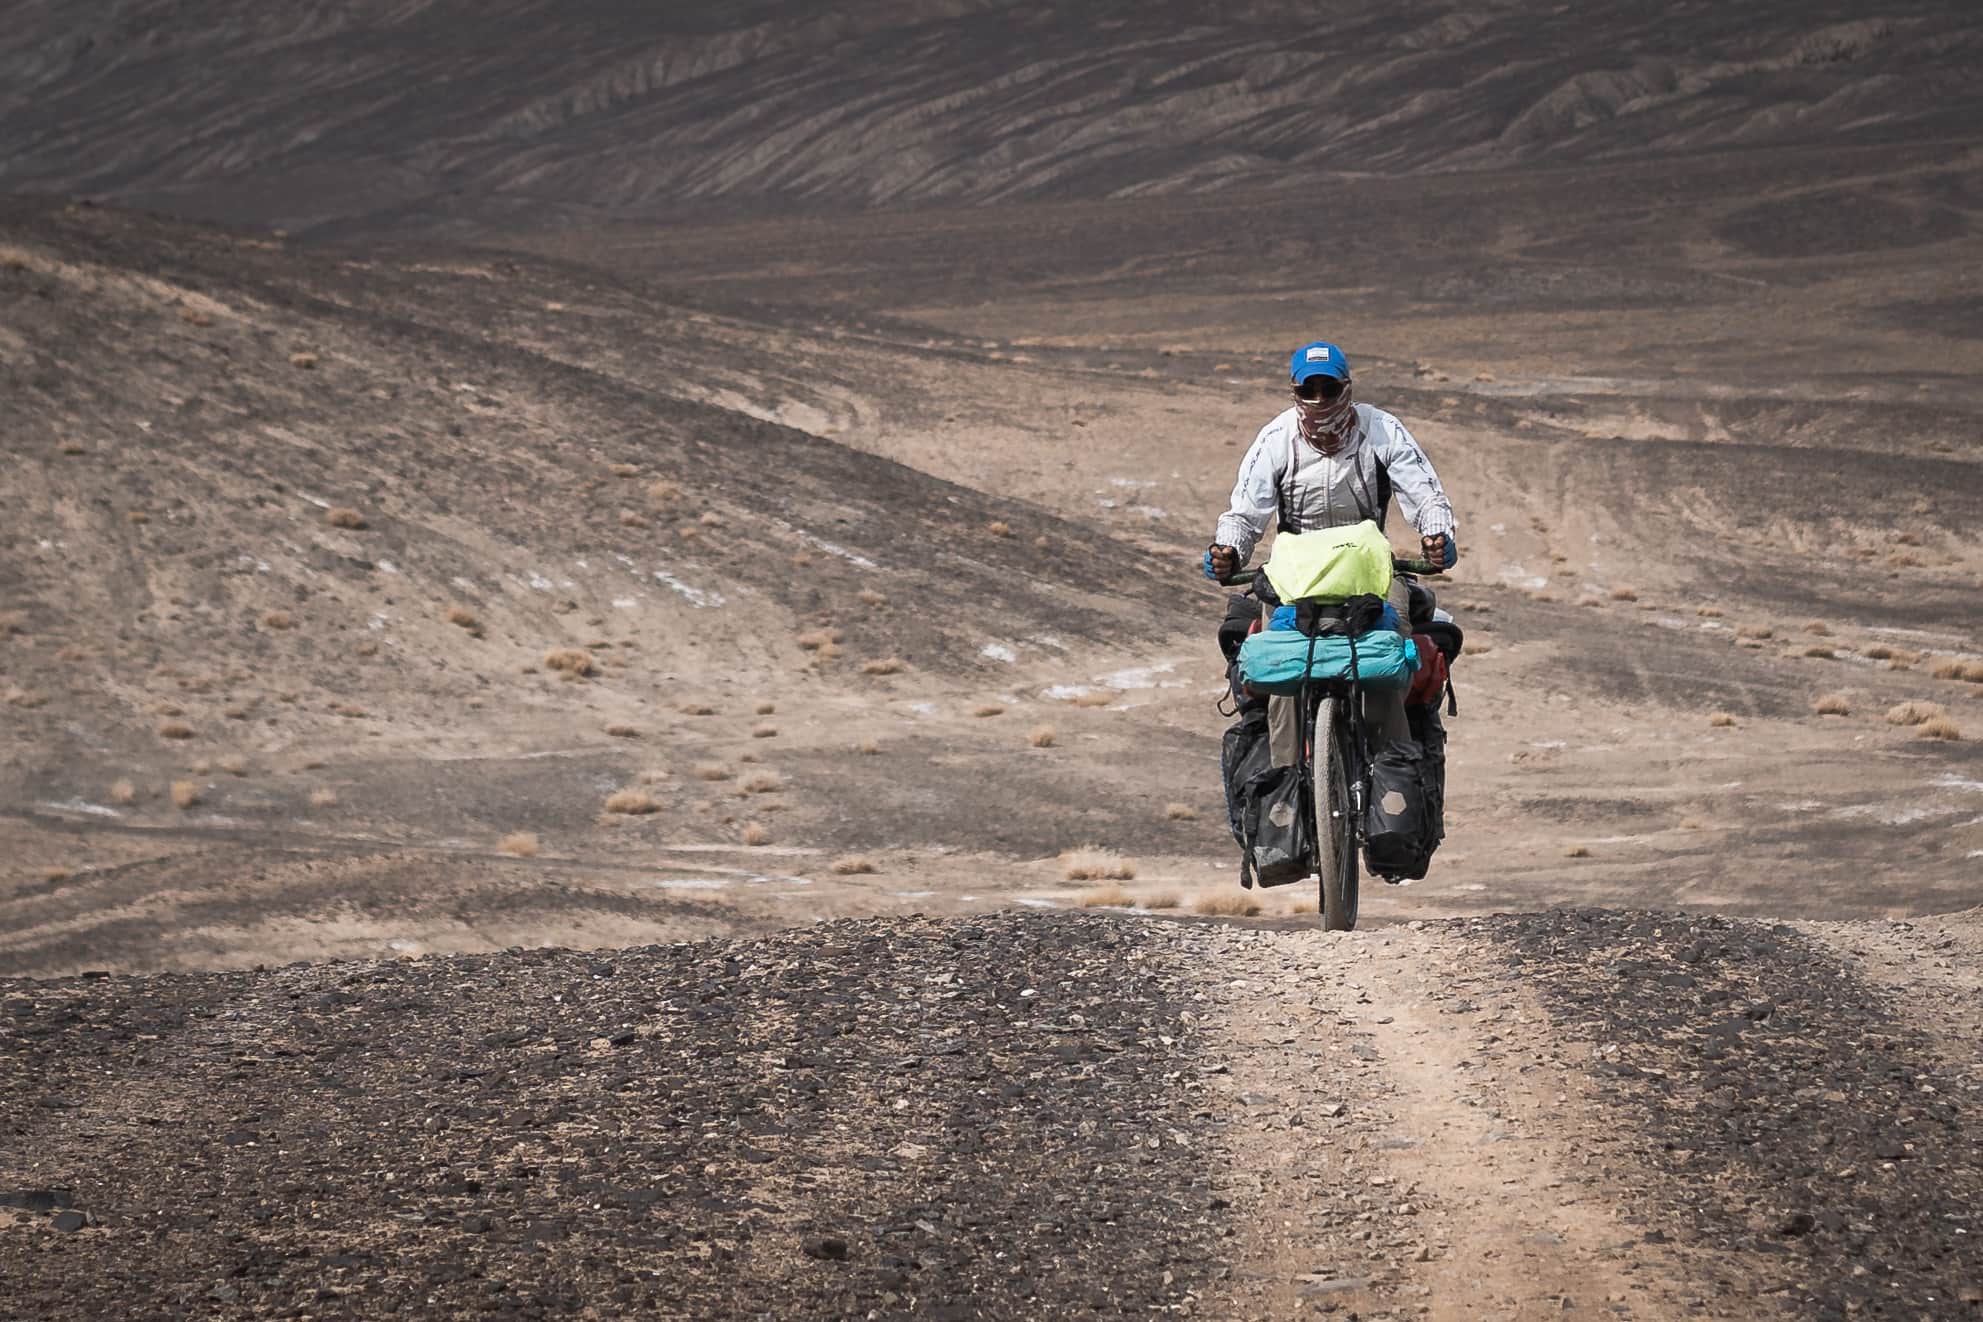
(1324, 462)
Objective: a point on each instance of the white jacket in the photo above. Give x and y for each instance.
(1327, 491)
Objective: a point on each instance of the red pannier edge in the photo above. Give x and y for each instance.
(1429, 683)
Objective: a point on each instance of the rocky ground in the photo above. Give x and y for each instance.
(1021, 1115)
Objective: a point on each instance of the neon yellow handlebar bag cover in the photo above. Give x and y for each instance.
(1331, 564)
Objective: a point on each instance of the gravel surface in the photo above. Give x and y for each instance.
(1779, 1107)
(1022, 1115)
(964, 1119)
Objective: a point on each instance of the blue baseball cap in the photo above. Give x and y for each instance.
(1319, 358)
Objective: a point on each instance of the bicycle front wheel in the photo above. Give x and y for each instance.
(1335, 831)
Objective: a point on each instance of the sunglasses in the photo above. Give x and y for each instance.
(1318, 389)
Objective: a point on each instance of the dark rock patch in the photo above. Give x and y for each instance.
(1774, 1103)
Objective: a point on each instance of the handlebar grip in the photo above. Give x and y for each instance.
(1242, 578)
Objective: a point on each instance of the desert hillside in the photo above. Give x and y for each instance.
(606, 705)
(398, 113)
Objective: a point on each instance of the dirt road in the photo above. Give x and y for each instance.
(1018, 1115)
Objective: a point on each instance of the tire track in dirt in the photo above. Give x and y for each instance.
(1411, 1159)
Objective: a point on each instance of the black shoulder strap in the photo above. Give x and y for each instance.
(1381, 488)
(1290, 519)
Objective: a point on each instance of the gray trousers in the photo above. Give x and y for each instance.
(1383, 709)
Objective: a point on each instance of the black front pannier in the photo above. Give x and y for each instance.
(1400, 831)
(1264, 806)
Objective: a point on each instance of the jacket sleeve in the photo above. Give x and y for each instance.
(1416, 486)
(1255, 498)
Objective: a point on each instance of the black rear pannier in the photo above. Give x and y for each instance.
(1430, 731)
(1264, 806)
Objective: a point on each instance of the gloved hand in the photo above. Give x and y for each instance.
(1442, 550)
(1220, 562)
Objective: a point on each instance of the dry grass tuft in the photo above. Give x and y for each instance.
(763, 782)
(999, 529)
(1817, 627)
(1709, 612)
(350, 711)
(234, 764)
(174, 730)
(814, 640)
(1473, 647)
(869, 597)
(633, 802)
(339, 516)
(888, 665)
(137, 516)
(1093, 863)
(712, 771)
(1161, 900)
(123, 791)
(1914, 713)
(185, 793)
(988, 709)
(765, 708)
(1041, 736)
(1095, 698)
(622, 470)
(663, 493)
(695, 709)
(1107, 897)
(619, 731)
(278, 620)
(523, 844)
(1180, 812)
(764, 732)
(306, 361)
(852, 865)
(1721, 718)
(1227, 904)
(1938, 729)
(756, 833)
(55, 873)
(26, 699)
(1624, 594)
(573, 661)
(1577, 851)
(1833, 704)
(1755, 631)
(1820, 652)
(463, 618)
(325, 798)
(868, 748)
(633, 519)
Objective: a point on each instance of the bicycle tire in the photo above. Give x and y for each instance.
(1335, 834)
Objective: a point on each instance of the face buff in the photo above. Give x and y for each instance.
(1326, 424)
